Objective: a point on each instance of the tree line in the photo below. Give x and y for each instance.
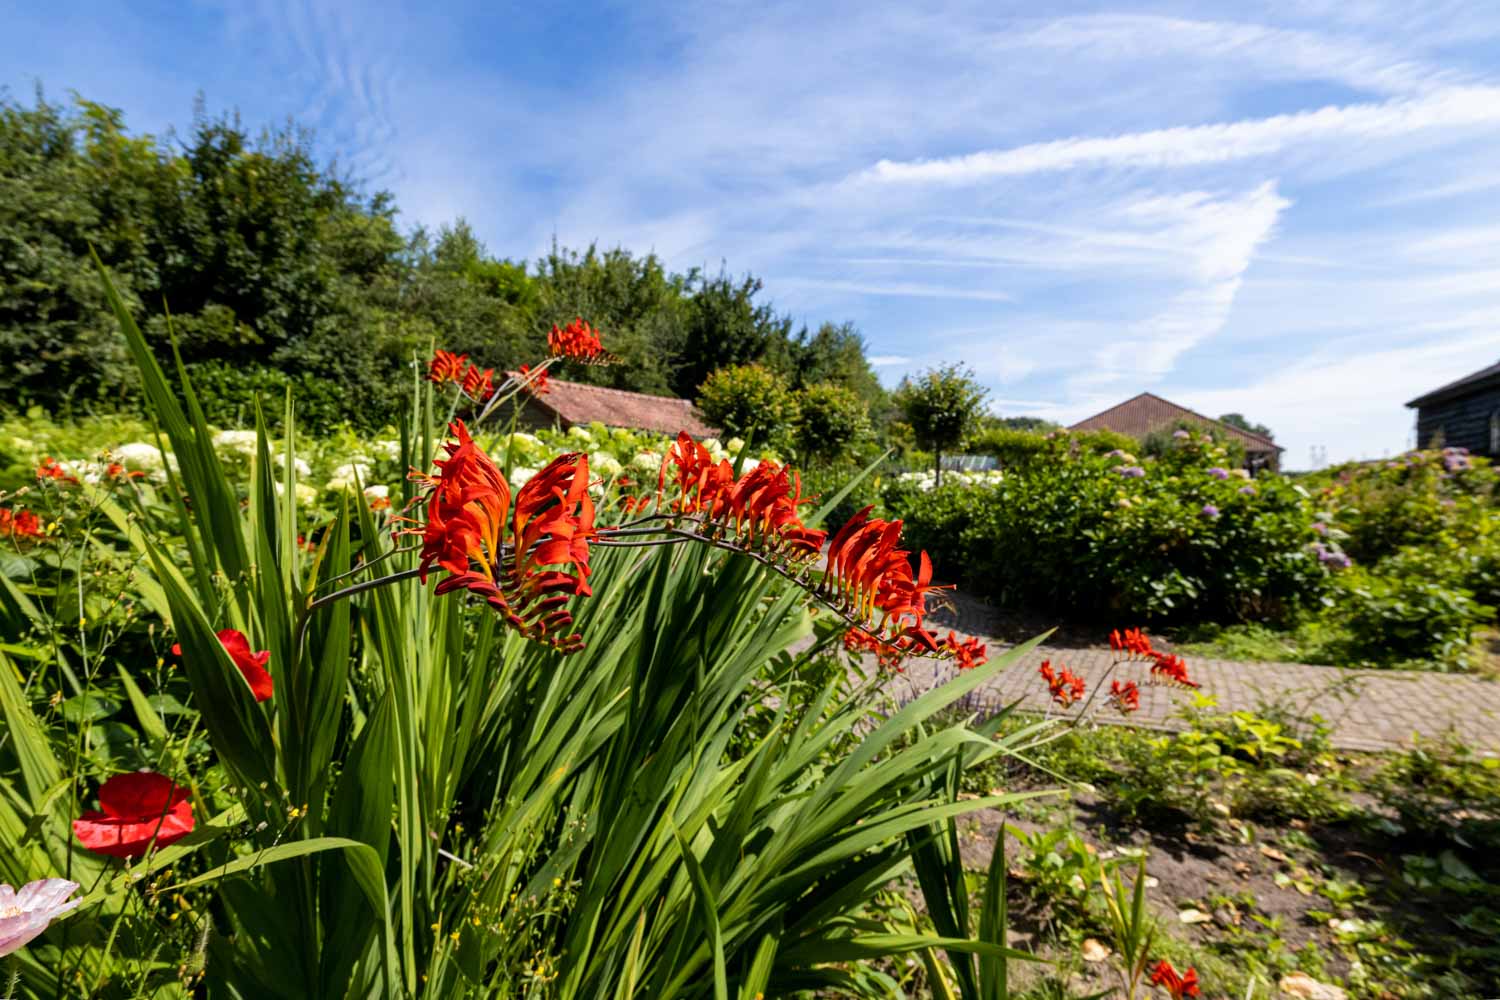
(268, 269)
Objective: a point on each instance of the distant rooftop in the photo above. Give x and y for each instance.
(575, 403)
(1140, 415)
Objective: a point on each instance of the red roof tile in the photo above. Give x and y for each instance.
(576, 403)
(1140, 415)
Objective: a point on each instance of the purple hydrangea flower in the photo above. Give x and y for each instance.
(1181, 435)
(1332, 558)
(1247, 491)
(1209, 510)
(1320, 527)
(1131, 471)
(1219, 473)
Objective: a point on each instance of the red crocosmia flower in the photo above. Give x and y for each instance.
(871, 575)
(702, 484)
(578, 341)
(1125, 697)
(891, 653)
(1177, 986)
(446, 367)
(1168, 669)
(468, 512)
(51, 469)
(478, 385)
(534, 384)
(137, 810)
(115, 470)
(1132, 642)
(967, 653)
(252, 666)
(20, 524)
(1065, 686)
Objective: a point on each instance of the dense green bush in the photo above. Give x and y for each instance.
(1403, 614)
(830, 418)
(752, 401)
(1180, 537)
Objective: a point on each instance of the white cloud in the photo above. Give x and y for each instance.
(889, 360)
(1196, 145)
(1227, 45)
(897, 288)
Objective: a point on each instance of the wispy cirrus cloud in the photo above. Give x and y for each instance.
(1200, 145)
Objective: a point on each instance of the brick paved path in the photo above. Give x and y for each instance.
(1367, 709)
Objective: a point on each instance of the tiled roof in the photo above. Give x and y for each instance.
(576, 403)
(1140, 415)
(1477, 380)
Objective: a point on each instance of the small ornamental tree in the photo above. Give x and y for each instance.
(751, 401)
(943, 406)
(830, 417)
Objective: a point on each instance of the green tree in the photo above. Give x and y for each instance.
(723, 326)
(1238, 420)
(943, 406)
(751, 401)
(830, 418)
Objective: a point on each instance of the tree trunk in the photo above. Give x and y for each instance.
(938, 461)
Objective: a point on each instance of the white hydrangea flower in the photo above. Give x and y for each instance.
(351, 471)
(138, 455)
(602, 463)
(734, 445)
(646, 461)
(750, 463)
(378, 491)
(386, 449)
(278, 462)
(306, 495)
(518, 477)
(712, 444)
(523, 440)
(238, 441)
(338, 485)
(581, 433)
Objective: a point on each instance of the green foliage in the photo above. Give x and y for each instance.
(1102, 535)
(751, 401)
(270, 270)
(830, 419)
(1401, 615)
(942, 405)
(1444, 790)
(1238, 420)
(431, 805)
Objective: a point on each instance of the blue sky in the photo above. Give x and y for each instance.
(1291, 210)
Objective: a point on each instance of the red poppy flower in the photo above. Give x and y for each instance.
(1125, 697)
(446, 367)
(967, 653)
(20, 524)
(534, 384)
(1065, 686)
(1177, 986)
(138, 810)
(252, 666)
(578, 341)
